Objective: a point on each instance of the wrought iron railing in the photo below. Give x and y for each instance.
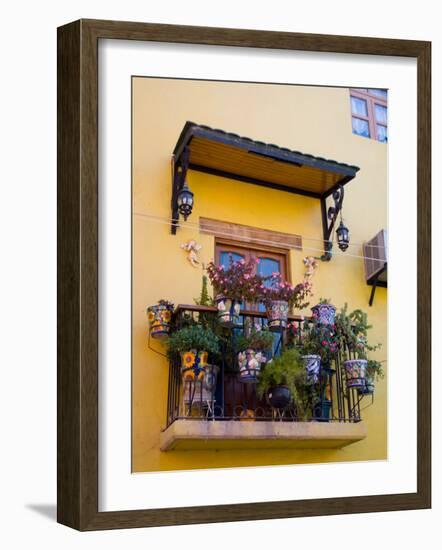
(231, 399)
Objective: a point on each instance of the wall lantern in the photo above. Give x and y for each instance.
(343, 236)
(185, 201)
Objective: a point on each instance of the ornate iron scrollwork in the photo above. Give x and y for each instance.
(329, 217)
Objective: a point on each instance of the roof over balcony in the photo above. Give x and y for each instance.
(229, 155)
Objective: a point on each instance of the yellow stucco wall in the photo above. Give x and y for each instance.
(309, 119)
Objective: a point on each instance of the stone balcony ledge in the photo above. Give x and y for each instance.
(191, 434)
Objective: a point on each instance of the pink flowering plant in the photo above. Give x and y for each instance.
(238, 281)
(278, 289)
(312, 338)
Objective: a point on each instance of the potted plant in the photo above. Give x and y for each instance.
(194, 344)
(373, 373)
(280, 297)
(318, 345)
(252, 350)
(283, 380)
(324, 312)
(361, 371)
(232, 285)
(159, 317)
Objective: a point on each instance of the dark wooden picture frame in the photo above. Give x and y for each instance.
(77, 226)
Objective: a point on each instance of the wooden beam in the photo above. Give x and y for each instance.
(250, 235)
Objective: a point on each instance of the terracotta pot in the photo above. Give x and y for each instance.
(277, 315)
(249, 363)
(228, 311)
(325, 313)
(159, 317)
(355, 373)
(312, 364)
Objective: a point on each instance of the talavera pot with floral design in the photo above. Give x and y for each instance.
(228, 311)
(312, 364)
(355, 373)
(277, 314)
(324, 314)
(249, 363)
(159, 317)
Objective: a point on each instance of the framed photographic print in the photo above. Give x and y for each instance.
(243, 275)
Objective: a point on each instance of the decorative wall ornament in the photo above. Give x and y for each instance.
(310, 263)
(192, 248)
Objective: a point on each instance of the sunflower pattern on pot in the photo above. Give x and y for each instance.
(193, 364)
(159, 317)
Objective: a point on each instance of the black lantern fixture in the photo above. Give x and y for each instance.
(185, 201)
(343, 236)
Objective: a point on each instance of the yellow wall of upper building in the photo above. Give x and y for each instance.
(309, 119)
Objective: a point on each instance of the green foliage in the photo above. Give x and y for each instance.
(259, 340)
(193, 337)
(204, 298)
(288, 370)
(317, 339)
(352, 330)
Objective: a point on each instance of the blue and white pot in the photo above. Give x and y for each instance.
(368, 389)
(312, 364)
(324, 313)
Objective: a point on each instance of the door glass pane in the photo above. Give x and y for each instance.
(360, 127)
(226, 257)
(266, 267)
(379, 93)
(381, 132)
(381, 113)
(359, 106)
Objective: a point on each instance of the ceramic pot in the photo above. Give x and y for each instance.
(368, 389)
(312, 364)
(249, 363)
(228, 311)
(201, 388)
(277, 314)
(193, 364)
(355, 373)
(322, 411)
(159, 317)
(279, 397)
(325, 313)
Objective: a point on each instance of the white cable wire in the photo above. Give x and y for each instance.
(194, 227)
(252, 230)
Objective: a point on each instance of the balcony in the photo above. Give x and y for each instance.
(230, 415)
